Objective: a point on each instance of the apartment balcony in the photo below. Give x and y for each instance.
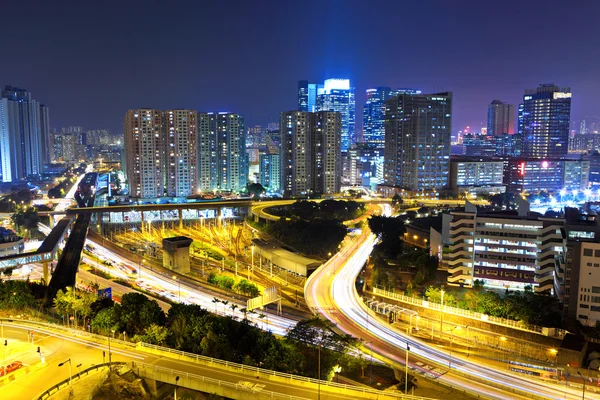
(460, 276)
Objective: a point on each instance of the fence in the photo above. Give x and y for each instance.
(552, 332)
(265, 372)
(67, 382)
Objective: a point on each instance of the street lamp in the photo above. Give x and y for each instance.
(176, 384)
(252, 264)
(406, 370)
(583, 391)
(179, 285)
(70, 373)
(442, 311)
(554, 352)
(451, 342)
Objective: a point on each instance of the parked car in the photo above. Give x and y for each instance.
(15, 365)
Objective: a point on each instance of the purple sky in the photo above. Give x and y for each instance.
(91, 62)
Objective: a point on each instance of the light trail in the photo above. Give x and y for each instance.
(167, 287)
(331, 291)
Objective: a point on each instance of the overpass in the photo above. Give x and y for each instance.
(155, 363)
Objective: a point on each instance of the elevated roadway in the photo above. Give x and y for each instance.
(84, 350)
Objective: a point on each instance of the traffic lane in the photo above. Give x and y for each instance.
(440, 356)
(117, 289)
(86, 354)
(288, 387)
(58, 349)
(325, 301)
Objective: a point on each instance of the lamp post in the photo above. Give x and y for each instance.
(406, 370)
(451, 343)
(554, 352)
(583, 390)
(70, 373)
(178, 286)
(501, 339)
(176, 384)
(252, 264)
(442, 311)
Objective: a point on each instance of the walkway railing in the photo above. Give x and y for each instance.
(552, 332)
(255, 370)
(349, 389)
(67, 382)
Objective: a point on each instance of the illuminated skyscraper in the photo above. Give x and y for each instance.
(337, 95)
(544, 120)
(501, 118)
(417, 141)
(374, 113)
(144, 138)
(311, 161)
(332, 95)
(24, 134)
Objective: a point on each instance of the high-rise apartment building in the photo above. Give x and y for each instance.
(333, 95)
(222, 158)
(181, 152)
(144, 137)
(270, 172)
(24, 133)
(544, 120)
(374, 113)
(501, 118)
(417, 141)
(310, 159)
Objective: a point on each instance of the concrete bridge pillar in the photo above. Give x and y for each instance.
(219, 216)
(142, 214)
(180, 211)
(46, 273)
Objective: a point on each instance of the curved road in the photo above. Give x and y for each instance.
(331, 292)
(59, 345)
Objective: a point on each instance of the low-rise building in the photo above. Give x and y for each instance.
(473, 176)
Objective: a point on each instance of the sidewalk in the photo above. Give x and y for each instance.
(82, 389)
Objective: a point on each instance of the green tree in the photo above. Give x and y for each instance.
(255, 189)
(138, 312)
(153, 334)
(16, 295)
(106, 320)
(397, 201)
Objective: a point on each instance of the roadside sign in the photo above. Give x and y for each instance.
(105, 293)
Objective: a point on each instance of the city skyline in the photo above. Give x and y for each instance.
(88, 89)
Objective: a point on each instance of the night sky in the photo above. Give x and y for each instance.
(91, 61)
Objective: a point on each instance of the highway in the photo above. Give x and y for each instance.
(331, 292)
(167, 287)
(59, 345)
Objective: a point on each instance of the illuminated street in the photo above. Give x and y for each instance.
(331, 292)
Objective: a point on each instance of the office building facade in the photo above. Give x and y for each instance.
(310, 159)
(501, 250)
(544, 120)
(24, 134)
(335, 95)
(531, 176)
(417, 141)
(501, 118)
(374, 113)
(475, 176)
